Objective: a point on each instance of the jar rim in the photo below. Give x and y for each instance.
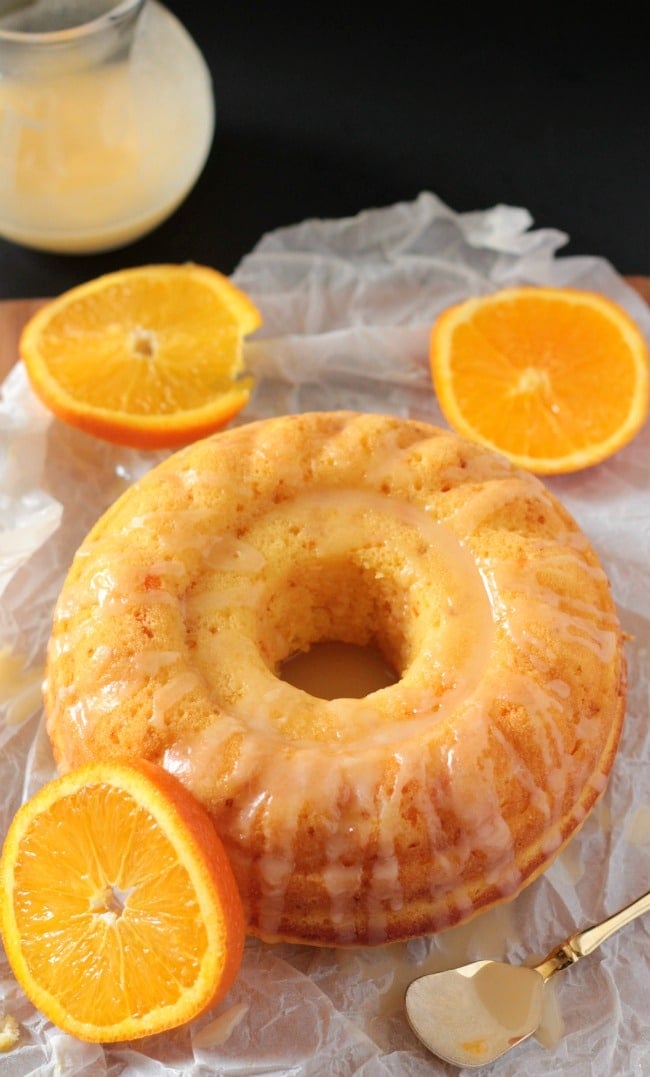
(112, 17)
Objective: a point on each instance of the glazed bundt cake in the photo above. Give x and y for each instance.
(349, 820)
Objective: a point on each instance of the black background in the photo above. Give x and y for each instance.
(325, 110)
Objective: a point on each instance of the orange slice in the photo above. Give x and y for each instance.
(556, 379)
(149, 357)
(120, 913)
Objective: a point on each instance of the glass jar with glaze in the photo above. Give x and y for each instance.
(106, 121)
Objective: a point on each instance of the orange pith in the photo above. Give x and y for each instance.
(120, 914)
(149, 357)
(555, 379)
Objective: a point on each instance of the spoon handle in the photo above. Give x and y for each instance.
(584, 942)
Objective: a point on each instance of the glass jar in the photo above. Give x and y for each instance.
(106, 121)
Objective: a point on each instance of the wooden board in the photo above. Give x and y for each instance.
(15, 312)
(13, 315)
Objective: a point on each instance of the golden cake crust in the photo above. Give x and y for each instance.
(349, 821)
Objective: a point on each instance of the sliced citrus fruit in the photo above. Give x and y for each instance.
(556, 379)
(120, 913)
(150, 357)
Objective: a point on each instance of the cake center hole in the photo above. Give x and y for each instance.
(336, 670)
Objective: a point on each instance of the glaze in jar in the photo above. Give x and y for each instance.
(106, 121)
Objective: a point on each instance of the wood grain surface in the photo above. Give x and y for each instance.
(15, 312)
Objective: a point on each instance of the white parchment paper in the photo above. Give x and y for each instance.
(348, 306)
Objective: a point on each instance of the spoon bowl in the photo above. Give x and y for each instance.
(475, 1013)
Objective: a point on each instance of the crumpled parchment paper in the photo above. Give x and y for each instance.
(348, 305)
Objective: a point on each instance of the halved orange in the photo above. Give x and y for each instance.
(556, 379)
(120, 913)
(150, 357)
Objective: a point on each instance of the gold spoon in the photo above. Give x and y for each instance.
(471, 1015)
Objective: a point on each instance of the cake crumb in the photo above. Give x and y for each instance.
(9, 1032)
